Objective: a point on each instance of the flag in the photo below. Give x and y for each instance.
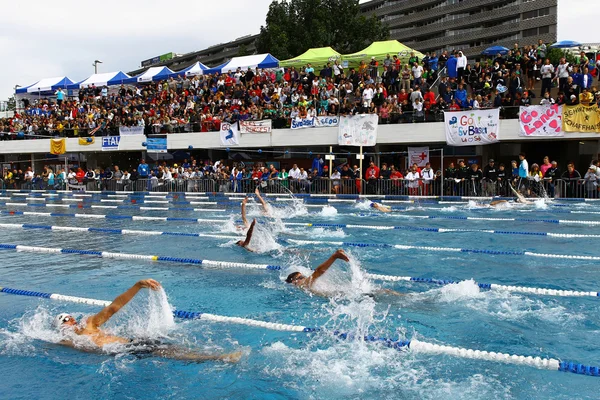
(86, 141)
(230, 134)
(58, 146)
(418, 155)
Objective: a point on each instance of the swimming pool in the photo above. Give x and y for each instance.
(432, 239)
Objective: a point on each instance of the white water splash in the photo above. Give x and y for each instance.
(328, 211)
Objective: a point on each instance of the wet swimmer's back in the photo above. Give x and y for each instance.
(381, 207)
(98, 339)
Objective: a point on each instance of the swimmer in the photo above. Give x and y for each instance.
(495, 203)
(244, 220)
(381, 207)
(307, 282)
(66, 324)
(245, 243)
(520, 198)
(266, 210)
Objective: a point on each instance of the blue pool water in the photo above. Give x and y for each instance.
(282, 365)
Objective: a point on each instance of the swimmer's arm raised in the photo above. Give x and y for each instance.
(118, 303)
(244, 220)
(249, 234)
(321, 269)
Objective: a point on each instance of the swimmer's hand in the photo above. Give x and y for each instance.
(340, 255)
(245, 200)
(149, 283)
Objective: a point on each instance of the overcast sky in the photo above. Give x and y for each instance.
(42, 39)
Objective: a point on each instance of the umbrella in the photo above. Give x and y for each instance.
(566, 44)
(494, 50)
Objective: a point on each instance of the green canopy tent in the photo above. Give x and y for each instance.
(380, 50)
(316, 57)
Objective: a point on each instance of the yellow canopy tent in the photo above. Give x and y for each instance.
(380, 50)
(316, 57)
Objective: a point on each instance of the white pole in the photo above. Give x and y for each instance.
(442, 169)
(360, 166)
(330, 161)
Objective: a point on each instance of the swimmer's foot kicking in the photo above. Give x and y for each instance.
(99, 338)
(245, 243)
(307, 282)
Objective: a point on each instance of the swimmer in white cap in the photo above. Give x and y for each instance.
(90, 328)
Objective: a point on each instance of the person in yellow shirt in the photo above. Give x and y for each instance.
(586, 97)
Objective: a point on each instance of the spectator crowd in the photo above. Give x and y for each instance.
(396, 92)
(543, 180)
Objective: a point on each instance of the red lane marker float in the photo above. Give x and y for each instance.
(133, 201)
(79, 205)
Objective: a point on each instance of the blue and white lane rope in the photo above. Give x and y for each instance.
(114, 231)
(225, 264)
(418, 346)
(308, 225)
(103, 216)
(129, 256)
(457, 217)
(51, 205)
(443, 249)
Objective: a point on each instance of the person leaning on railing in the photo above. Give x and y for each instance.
(571, 178)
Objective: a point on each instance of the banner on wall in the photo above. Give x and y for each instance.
(358, 130)
(541, 121)
(156, 145)
(58, 146)
(86, 141)
(131, 130)
(230, 134)
(418, 155)
(301, 123)
(110, 143)
(472, 128)
(264, 126)
(328, 121)
(580, 118)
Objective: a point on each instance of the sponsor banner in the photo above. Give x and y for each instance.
(264, 126)
(131, 130)
(110, 143)
(541, 121)
(358, 130)
(301, 123)
(328, 121)
(581, 119)
(418, 155)
(230, 134)
(38, 112)
(471, 128)
(86, 141)
(58, 146)
(157, 145)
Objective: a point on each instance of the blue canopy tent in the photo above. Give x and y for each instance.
(254, 61)
(566, 44)
(151, 75)
(195, 69)
(494, 51)
(107, 78)
(46, 85)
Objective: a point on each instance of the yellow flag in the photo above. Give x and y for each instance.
(86, 141)
(58, 146)
(580, 118)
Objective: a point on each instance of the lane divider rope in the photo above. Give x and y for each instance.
(226, 264)
(103, 216)
(417, 346)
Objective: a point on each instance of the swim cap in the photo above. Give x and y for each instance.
(58, 320)
(372, 205)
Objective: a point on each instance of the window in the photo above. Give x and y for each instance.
(530, 32)
(543, 30)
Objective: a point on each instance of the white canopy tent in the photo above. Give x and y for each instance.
(107, 78)
(254, 61)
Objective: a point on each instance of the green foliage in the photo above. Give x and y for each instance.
(12, 104)
(294, 26)
(555, 55)
(242, 51)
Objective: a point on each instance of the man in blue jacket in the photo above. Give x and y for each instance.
(143, 169)
(317, 164)
(451, 66)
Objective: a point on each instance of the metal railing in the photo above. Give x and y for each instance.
(561, 188)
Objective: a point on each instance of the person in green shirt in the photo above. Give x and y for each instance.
(283, 177)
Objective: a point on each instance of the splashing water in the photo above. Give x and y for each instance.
(540, 204)
(328, 211)
(363, 205)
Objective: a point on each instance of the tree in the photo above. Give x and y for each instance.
(554, 55)
(242, 51)
(294, 26)
(11, 104)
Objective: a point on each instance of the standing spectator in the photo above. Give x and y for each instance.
(490, 176)
(452, 65)
(523, 172)
(143, 170)
(571, 179)
(551, 175)
(591, 182)
(461, 65)
(417, 72)
(317, 164)
(547, 72)
(372, 175)
(60, 96)
(428, 176)
(562, 73)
